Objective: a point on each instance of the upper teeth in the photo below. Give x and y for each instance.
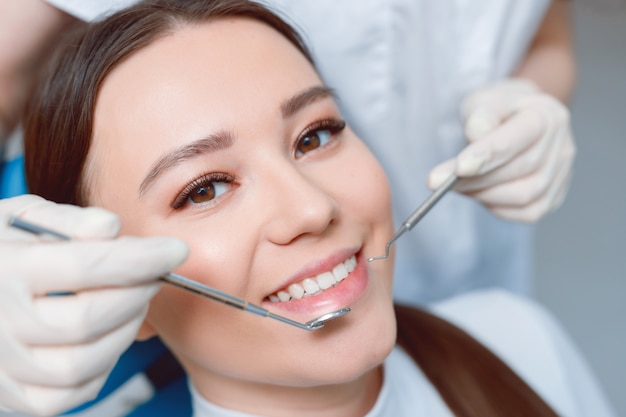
(317, 284)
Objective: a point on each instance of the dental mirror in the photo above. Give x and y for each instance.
(198, 288)
(320, 321)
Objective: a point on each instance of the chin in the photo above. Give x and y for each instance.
(357, 350)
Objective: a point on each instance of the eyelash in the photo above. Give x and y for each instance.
(182, 197)
(334, 126)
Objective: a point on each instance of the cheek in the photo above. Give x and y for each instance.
(366, 204)
(220, 249)
(365, 188)
(206, 333)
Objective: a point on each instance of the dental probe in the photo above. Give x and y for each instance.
(418, 214)
(197, 288)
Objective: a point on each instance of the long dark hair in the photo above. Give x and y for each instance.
(58, 120)
(471, 379)
(58, 131)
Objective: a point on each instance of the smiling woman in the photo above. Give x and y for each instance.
(206, 120)
(223, 134)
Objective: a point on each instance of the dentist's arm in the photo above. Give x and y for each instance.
(550, 62)
(57, 351)
(519, 159)
(28, 30)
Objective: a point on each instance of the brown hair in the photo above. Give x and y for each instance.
(58, 133)
(59, 117)
(470, 378)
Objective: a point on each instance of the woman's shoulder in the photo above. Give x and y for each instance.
(528, 338)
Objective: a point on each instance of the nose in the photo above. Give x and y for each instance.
(302, 206)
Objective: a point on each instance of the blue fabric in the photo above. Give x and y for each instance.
(12, 178)
(137, 358)
(171, 400)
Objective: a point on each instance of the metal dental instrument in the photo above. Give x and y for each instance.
(418, 214)
(198, 288)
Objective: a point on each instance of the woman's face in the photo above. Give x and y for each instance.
(223, 135)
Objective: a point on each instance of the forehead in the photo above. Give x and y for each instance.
(224, 74)
(224, 61)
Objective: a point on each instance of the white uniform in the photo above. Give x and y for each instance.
(401, 68)
(521, 333)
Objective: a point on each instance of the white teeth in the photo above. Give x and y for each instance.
(315, 285)
(340, 272)
(296, 291)
(283, 296)
(326, 280)
(310, 286)
(350, 263)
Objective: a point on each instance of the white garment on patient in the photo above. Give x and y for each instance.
(401, 68)
(520, 332)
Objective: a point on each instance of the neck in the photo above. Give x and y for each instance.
(349, 399)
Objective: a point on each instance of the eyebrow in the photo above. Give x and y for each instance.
(296, 103)
(212, 143)
(223, 139)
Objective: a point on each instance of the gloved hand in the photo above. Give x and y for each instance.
(57, 351)
(519, 159)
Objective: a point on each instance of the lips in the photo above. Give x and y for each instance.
(317, 284)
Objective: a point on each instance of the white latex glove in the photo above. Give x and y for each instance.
(56, 352)
(519, 159)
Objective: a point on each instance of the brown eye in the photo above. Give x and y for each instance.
(313, 141)
(318, 135)
(309, 143)
(204, 190)
(203, 194)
